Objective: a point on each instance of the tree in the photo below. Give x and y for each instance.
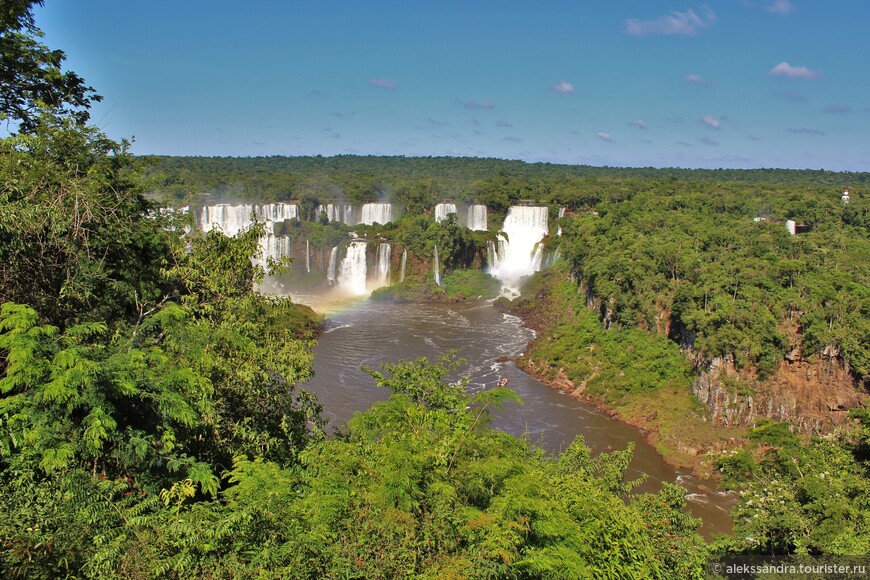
(31, 75)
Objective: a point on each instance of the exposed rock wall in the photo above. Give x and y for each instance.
(812, 396)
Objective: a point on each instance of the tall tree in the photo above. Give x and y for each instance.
(32, 78)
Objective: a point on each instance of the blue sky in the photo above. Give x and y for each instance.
(730, 83)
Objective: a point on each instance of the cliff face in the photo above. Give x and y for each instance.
(814, 397)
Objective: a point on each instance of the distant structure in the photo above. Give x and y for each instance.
(845, 196)
(791, 226)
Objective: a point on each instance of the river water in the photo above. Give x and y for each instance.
(367, 334)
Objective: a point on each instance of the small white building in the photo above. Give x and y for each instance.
(845, 196)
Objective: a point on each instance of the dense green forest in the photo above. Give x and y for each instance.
(413, 180)
(150, 423)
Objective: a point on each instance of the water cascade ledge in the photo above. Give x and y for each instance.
(514, 255)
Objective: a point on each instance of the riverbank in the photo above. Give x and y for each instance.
(635, 377)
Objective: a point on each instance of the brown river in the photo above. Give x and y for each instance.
(366, 334)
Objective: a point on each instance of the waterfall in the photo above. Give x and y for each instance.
(330, 271)
(525, 227)
(352, 274)
(442, 210)
(437, 267)
(274, 247)
(372, 213)
(307, 256)
(477, 218)
(561, 215)
(277, 212)
(404, 264)
(384, 254)
(337, 212)
(491, 255)
(537, 257)
(230, 219)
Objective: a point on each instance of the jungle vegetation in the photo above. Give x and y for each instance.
(150, 419)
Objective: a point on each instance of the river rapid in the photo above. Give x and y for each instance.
(366, 333)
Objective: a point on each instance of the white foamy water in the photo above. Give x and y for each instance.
(353, 271)
(373, 213)
(520, 254)
(442, 210)
(477, 218)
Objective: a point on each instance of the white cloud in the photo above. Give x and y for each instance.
(639, 123)
(784, 69)
(563, 88)
(384, 83)
(779, 7)
(686, 23)
(696, 79)
(711, 121)
(604, 136)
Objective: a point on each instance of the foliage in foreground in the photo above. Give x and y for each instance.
(417, 486)
(801, 499)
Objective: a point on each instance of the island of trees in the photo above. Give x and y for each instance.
(151, 424)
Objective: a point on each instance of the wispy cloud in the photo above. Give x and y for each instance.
(384, 83)
(838, 108)
(785, 70)
(687, 23)
(639, 123)
(712, 121)
(782, 7)
(805, 131)
(512, 140)
(707, 140)
(604, 136)
(696, 79)
(753, 138)
(472, 105)
(563, 88)
(503, 123)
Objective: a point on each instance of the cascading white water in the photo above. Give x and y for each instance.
(307, 256)
(337, 212)
(537, 257)
(477, 218)
(561, 215)
(442, 210)
(277, 212)
(525, 227)
(353, 271)
(404, 264)
(373, 213)
(437, 267)
(274, 247)
(331, 270)
(230, 219)
(383, 265)
(491, 256)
